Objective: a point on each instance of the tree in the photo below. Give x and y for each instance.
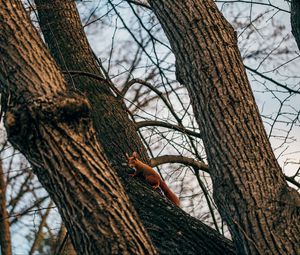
(63, 32)
(51, 112)
(194, 236)
(43, 120)
(262, 212)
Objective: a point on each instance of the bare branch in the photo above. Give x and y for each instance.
(292, 181)
(32, 208)
(150, 86)
(39, 235)
(148, 123)
(195, 164)
(179, 159)
(208, 200)
(252, 2)
(94, 76)
(271, 80)
(139, 3)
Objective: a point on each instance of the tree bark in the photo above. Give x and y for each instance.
(262, 212)
(295, 20)
(5, 239)
(63, 244)
(51, 127)
(171, 230)
(68, 44)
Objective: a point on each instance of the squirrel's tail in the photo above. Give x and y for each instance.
(169, 194)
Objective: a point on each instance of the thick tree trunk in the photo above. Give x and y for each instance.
(52, 128)
(262, 212)
(171, 230)
(67, 42)
(295, 20)
(5, 239)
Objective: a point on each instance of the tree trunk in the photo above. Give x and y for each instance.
(295, 20)
(5, 239)
(67, 42)
(52, 128)
(171, 230)
(260, 209)
(63, 244)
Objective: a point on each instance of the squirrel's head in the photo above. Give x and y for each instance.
(131, 160)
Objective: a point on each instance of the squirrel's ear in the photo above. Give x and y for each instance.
(134, 154)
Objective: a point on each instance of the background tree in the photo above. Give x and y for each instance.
(249, 187)
(5, 239)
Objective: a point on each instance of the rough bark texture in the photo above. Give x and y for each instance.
(63, 244)
(295, 20)
(67, 42)
(51, 127)
(262, 212)
(5, 240)
(171, 230)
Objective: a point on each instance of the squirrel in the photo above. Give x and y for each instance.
(150, 176)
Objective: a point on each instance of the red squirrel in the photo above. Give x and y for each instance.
(150, 176)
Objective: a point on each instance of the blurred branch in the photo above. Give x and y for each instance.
(23, 190)
(40, 234)
(28, 210)
(5, 238)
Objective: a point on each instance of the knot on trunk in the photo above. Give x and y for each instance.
(60, 108)
(22, 120)
(16, 122)
(288, 214)
(290, 202)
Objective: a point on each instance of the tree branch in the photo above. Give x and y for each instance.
(271, 80)
(292, 181)
(181, 160)
(251, 2)
(196, 164)
(151, 123)
(139, 3)
(94, 76)
(150, 86)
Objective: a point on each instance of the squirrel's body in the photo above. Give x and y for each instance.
(151, 177)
